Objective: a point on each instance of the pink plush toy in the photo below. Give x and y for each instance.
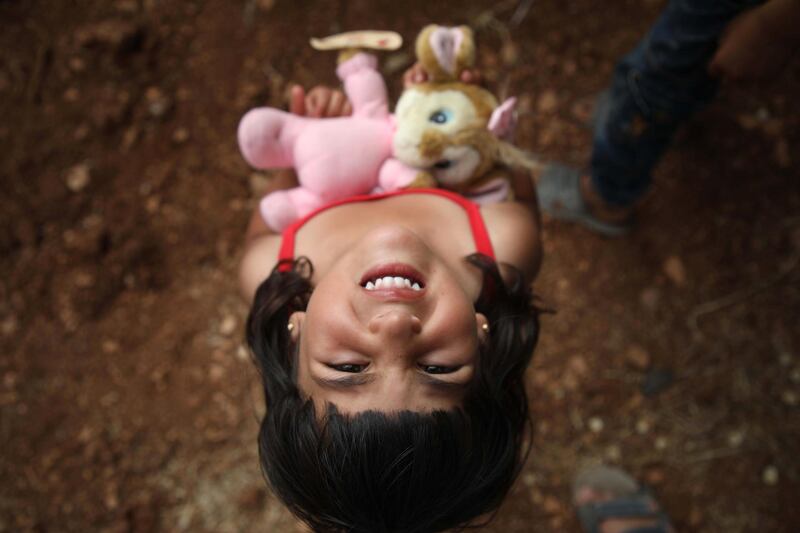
(334, 157)
(446, 133)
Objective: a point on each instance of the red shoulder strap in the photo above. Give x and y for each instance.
(480, 234)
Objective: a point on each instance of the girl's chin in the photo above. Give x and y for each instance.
(394, 243)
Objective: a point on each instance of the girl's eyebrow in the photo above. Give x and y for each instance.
(355, 380)
(344, 382)
(441, 384)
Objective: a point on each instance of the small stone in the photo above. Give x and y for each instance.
(509, 53)
(10, 379)
(71, 95)
(637, 357)
(216, 373)
(790, 398)
(675, 271)
(228, 325)
(547, 102)
(650, 298)
(655, 476)
(130, 137)
(642, 426)
(152, 204)
(78, 177)
(783, 156)
(551, 505)
(258, 183)
(84, 280)
(81, 132)
(127, 6)
(180, 136)
(111, 498)
(770, 476)
(582, 110)
(785, 359)
(794, 375)
(747, 122)
(9, 326)
(695, 518)
(596, 424)
(613, 453)
(657, 380)
(251, 498)
(110, 346)
(158, 103)
(661, 443)
(735, 438)
(266, 5)
(242, 353)
(76, 64)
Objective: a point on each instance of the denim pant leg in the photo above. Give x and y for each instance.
(654, 89)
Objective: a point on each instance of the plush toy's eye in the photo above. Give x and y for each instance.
(440, 117)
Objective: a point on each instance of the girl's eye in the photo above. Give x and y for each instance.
(439, 117)
(435, 369)
(349, 368)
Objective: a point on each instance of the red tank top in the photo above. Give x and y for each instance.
(479, 233)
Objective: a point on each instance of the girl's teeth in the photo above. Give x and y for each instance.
(391, 282)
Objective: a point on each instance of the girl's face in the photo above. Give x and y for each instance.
(390, 326)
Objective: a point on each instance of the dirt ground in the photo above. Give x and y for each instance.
(127, 400)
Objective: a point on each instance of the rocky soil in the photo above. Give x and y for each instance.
(127, 401)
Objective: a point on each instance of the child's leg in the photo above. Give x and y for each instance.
(654, 89)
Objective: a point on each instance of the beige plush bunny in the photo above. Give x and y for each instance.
(454, 132)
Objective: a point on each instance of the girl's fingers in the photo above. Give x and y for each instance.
(471, 76)
(415, 74)
(335, 105)
(317, 101)
(297, 100)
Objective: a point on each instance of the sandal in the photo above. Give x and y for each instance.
(629, 500)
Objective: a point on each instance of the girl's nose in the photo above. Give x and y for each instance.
(396, 323)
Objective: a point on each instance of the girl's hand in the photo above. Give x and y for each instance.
(320, 102)
(416, 74)
(759, 43)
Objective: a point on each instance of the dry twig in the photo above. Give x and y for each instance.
(741, 295)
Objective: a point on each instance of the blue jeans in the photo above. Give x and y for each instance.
(654, 89)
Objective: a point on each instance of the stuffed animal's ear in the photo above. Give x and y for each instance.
(445, 43)
(504, 119)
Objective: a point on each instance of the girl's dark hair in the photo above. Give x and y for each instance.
(404, 472)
